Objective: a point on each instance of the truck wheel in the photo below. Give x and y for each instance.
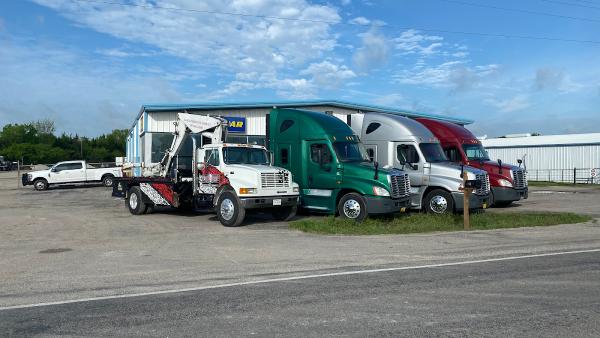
(503, 204)
(353, 206)
(134, 201)
(491, 201)
(40, 184)
(439, 201)
(107, 180)
(285, 213)
(229, 210)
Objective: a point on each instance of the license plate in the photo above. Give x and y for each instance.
(277, 201)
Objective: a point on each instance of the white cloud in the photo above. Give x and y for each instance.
(518, 102)
(345, 2)
(236, 43)
(361, 20)
(457, 74)
(413, 42)
(328, 75)
(555, 79)
(374, 51)
(83, 96)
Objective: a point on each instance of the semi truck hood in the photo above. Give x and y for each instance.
(365, 171)
(493, 169)
(254, 168)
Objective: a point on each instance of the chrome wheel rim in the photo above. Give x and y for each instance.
(39, 185)
(438, 204)
(227, 209)
(133, 201)
(108, 182)
(351, 209)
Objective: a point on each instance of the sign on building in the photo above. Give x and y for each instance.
(236, 124)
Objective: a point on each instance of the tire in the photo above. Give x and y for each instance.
(503, 204)
(108, 180)
(134, 201)
(439, 202)
(491, 201)
(285, 213)
(353, 206)
(40, 184)
(229, 211)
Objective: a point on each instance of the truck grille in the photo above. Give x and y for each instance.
(519, 179)
(400, 185)
(275, 180)
(485, 184)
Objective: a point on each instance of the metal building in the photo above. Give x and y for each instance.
(561, 158)
(151, 132)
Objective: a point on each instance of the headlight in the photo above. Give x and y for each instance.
(505, 183)
(29, 177)
(379, 191)
(245, 191)
(296, 189)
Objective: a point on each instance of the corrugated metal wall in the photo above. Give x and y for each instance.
(551, 157)
(162, 122)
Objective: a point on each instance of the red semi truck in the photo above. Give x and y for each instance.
(508, 182)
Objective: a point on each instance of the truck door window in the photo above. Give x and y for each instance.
(316, 149)
(371, 154)
(212, 157)
(284, 156)
(61, 167)
(75, 166)
(372, 127)
(285, 125)
(452, 154)
(409, 151)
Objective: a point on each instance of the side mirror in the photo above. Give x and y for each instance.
(520, 161)
(53, 170)
(271, 158)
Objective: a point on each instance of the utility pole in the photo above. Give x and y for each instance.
(81, 147)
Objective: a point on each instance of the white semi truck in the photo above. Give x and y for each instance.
(70, 172)
(223, 177)
(436, 184)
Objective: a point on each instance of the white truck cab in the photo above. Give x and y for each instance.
(226, 178)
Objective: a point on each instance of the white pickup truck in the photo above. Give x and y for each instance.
(70, 172)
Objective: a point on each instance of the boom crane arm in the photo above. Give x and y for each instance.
(212, 127)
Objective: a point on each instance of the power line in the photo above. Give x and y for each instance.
(526, 11)
(433, 30)
(570, 4)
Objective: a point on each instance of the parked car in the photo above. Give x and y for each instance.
(70, 172)
(5, 165)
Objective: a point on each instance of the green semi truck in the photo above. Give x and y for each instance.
(331, 166)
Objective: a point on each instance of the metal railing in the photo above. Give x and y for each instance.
(573, 175)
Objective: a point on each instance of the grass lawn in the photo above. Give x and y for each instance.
(419, 223)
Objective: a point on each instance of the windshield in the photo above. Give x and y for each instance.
(243, 155)
(433, 152)
(350, 152)
(475, 152)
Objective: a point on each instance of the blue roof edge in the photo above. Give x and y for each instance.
(157, 107)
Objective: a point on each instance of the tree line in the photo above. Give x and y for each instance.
(35, 143)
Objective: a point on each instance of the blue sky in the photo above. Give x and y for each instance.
(89, 65)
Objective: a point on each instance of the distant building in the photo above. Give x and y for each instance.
(151, 132)
(549, 157)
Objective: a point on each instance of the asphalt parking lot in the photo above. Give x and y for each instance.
(75, 243)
